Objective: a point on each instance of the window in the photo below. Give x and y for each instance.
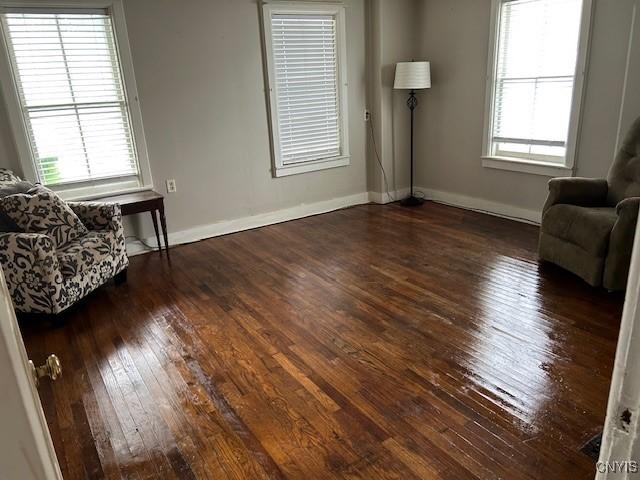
(534, 88)
(73, 103)
(305, 53)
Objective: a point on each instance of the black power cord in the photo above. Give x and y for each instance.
(375, 150)
(143, 242)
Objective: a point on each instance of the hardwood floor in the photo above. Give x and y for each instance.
(373, 342)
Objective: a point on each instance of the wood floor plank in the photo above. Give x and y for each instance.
(374, 342)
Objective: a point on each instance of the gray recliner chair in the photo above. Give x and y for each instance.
(588, 224)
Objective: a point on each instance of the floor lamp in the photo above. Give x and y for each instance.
(412, 76)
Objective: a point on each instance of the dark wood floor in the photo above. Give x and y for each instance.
(372, 342)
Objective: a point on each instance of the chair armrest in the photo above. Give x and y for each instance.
(577, 191)
(621, 244)
(629, 207)
(104, 216)
(623, 233)
(22, 254)
(98, 215)
(31, 270)
(624, 230)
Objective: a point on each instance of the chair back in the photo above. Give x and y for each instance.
(7, 177)
(624, 175)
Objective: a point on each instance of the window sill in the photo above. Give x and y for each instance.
(83, 193)
(527, 166)
(312, 166)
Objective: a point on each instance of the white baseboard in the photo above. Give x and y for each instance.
(388, 197)
(224, 227)
(136, 247)
(482, 205)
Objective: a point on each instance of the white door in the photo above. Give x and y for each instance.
(26, 449)
(620, 451)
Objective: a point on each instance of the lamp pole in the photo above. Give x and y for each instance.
(411, 200)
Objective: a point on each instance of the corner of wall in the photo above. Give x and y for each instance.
(391, 39)
(8, 149)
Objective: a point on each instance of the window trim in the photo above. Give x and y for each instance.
(88, 188)
(278, 168)
(536, 165)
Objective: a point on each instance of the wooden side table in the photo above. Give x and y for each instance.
(139, 202)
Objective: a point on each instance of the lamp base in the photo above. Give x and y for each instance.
(411, 202)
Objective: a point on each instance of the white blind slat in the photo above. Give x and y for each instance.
(536, 60)
(304, 49)
(71, 91)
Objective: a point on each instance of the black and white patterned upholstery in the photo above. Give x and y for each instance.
(40, 210)
(47, 275)
(7, 177)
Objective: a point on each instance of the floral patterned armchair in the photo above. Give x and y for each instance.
(45, 279)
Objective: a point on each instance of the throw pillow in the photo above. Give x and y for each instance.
(6, 224)
(40, 210)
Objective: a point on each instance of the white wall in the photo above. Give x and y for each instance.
(454, 36)
(8, 156)
(392, 39)
(199, 70)
(631, 99)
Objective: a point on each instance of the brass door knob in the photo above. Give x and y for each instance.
(51, 369)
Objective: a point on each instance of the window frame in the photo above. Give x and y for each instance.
(536, 164)
(84, 189)
(279, 169)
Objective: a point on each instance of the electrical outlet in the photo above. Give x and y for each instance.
(171, 186)
(367, 115)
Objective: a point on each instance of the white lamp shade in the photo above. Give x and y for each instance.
(412, 76)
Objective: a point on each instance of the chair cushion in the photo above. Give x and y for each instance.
(40, 210)
(587, 227)
(84, 252)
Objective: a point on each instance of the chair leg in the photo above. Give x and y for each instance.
(121, 277)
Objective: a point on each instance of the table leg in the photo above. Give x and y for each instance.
(163, 222)
(155, 227)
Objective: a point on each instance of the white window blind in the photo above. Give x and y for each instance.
(305, 59)
(70, 87)
(534, 78)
